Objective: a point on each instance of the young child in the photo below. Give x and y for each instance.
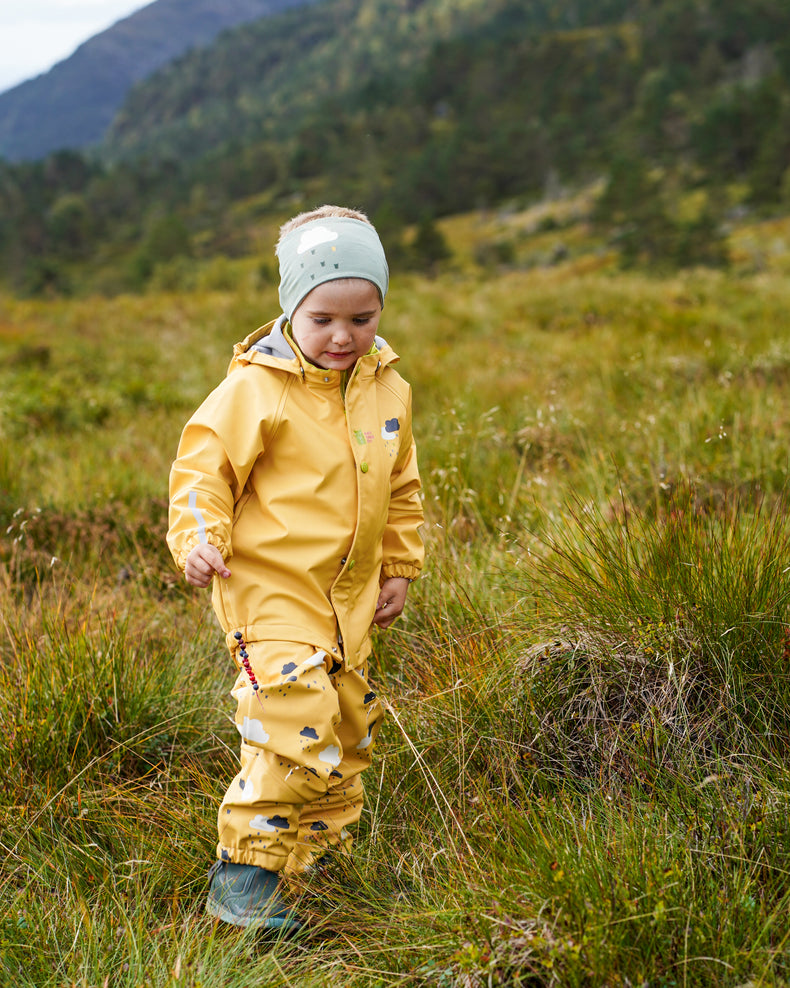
(296, 492)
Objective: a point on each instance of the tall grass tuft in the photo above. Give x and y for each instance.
(670, 635)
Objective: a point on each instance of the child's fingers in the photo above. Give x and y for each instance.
(202, 563)
(389, 606)
(214, 560)
(383, 618)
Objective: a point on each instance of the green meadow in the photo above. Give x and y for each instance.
(583, 778)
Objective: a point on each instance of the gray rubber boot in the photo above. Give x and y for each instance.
(246, 895)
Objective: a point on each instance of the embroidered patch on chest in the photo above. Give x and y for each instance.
(390, 429)
(390, 433)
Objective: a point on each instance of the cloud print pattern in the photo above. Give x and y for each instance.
(307, 735)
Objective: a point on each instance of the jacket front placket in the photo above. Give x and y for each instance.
(359, 400)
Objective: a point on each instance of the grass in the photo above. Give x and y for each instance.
(582, 780)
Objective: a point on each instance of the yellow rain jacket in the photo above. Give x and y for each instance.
(309, 491)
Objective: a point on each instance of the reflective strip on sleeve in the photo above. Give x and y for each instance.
(198, 515)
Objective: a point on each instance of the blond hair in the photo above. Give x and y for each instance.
(321, 213)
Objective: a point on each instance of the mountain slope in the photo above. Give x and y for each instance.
(436, 105)
(73, 104)
(415, 109)
(357, 54)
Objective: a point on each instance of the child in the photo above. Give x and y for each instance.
(296, 492)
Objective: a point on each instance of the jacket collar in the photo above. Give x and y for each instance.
(268, 345)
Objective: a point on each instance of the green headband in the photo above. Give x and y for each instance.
(327, 249)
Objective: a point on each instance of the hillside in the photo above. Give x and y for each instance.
(415, 109)
(395, 76)
(438, 106)
(72, 105)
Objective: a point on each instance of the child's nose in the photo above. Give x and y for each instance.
(341, 333)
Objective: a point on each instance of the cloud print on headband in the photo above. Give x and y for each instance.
(314, 238)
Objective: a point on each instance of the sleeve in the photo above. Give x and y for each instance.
(403, 550)
(218, 448)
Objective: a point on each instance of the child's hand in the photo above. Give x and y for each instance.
(392, 600)
(202, 563)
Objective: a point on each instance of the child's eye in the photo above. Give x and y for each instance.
(361, 320)
(320, 320)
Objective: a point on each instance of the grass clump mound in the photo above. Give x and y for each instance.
(673, 636)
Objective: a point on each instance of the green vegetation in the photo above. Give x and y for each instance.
(679, 110)
(582, 780)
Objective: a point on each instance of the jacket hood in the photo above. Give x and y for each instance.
(274, 344)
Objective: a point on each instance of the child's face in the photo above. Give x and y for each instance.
(336, 323)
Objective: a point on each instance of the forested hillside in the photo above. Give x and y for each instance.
(435, 105)
(72, 105)
(421, 108)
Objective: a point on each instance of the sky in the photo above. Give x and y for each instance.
(34, 34)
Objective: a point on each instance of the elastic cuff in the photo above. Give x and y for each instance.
(181, 558)
(406, 571)
(271, 861)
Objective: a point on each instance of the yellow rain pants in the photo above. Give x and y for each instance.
(307, 734)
